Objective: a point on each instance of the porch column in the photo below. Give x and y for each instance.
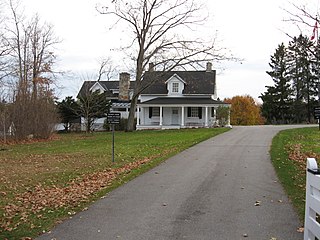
(160, 116)
(142, 121)
(206, 119)
(138, 116)
(182, 117)
(214, 114)
(229, 121)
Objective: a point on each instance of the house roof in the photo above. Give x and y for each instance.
(182, 101)
(106, 85)
(196, 82)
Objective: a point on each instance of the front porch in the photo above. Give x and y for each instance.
(156, 125)
(176, 117)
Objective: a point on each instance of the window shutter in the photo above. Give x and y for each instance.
(189, 112)
(200, 112)
(150, 112)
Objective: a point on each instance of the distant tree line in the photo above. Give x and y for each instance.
(294, 69)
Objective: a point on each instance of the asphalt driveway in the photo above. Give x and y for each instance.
(222, 189)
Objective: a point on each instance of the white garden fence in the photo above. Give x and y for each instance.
(312, 210)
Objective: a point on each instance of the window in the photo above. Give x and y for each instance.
(194, 112)
(119, 109)
(154, 112)
(175, 87)
(212, 112)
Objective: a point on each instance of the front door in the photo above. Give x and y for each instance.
(175, 116)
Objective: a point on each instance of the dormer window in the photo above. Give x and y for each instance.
(175, 87)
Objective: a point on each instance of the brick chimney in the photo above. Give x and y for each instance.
(209, 67)
(124, 86)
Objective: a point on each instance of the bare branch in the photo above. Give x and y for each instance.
(106, 68)
(301, 17)
(161, 34)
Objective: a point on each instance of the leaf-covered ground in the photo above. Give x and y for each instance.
(42, 183)
(289, 152)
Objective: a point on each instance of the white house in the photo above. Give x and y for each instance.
(170, 100)
(179, 99)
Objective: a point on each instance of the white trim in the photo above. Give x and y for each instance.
(176, 76)
(206, 117)
(100, 87)
(161, 116)
(182, 116)
(185, 105)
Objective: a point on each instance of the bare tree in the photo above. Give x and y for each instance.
(4, 49)
(31, 56)
(302, 16)
(106, 69)
(93, 104)
(163, 33)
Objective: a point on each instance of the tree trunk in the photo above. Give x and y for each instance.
(133, 106)
(88, 125)
(134, 100)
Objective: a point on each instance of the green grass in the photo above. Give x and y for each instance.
(69, 158)
(289, 151)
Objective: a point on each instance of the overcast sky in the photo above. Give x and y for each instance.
(251, 29)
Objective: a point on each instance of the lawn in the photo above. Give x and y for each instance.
(42, 183)
(289, 152)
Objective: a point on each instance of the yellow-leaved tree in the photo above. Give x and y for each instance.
(245, 111)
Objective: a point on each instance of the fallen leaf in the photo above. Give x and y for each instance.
(257, 203)
(300, 229)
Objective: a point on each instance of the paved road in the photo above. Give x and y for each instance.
(206, 192)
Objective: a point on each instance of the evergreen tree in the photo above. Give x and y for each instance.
(277, 98)
(302, 79)
(295, 71)
(315, 69)
(68, 110)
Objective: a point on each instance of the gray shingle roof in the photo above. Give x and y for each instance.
(197, 82)
(107, 85)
